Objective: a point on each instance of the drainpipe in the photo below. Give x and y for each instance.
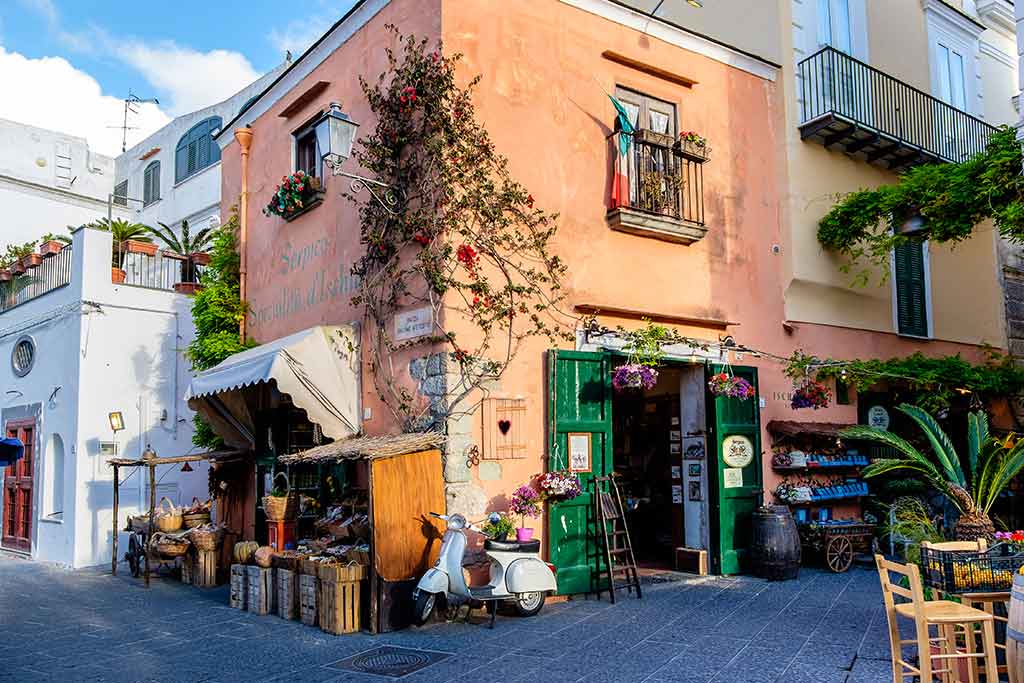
(244, 137)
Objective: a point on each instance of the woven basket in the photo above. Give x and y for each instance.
(194, 519)
(167, 520)
(282, 508)
(168, 546)
(206, 539)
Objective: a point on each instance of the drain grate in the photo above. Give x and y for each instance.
(390, 661)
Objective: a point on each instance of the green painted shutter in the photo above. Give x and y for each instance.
(732, 506)
(910, 277)
(580, 401)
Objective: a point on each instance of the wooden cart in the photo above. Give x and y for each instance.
(837, 542)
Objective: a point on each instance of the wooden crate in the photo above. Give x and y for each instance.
(339, 606)
(186, 569)
(204, 568)
(309, 596)
(260, 584)
(287, 593)
(692, 560)
(239, 586)
(341, 572)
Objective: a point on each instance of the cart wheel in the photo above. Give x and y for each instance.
(133, 555)
(839, 554)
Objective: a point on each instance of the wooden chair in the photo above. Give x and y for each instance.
(945, 617)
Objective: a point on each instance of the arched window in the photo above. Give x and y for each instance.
(151, 183)
(196, 150)
(53, 486)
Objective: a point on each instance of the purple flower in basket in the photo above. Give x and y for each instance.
(526, 501)
(634, 376)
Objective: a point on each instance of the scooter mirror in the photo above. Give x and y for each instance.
(494, 518)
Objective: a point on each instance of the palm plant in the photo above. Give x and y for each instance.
(990, 465)
(184, 243)
(10, 289)
(122, 231)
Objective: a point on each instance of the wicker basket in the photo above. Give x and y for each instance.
(167, 519)
(194, 519)
(169, 546)
(206, 539)
(282, 508)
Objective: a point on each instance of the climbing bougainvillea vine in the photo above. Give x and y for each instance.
(464, 238)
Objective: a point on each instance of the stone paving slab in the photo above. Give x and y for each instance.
(88, 626)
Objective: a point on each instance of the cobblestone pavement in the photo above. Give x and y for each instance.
(89, 626)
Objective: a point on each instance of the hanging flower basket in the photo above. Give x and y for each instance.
(634, 376)
(811, 394)
(559, 486)
(296, 194)
(730, 386)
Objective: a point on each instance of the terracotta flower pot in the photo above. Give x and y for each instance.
(50, 248)
(117, 275)
(6, 276)
(17, 268)
(188, 288)
(137, 247)
(31, 261)
(173, 255)
(200, 258)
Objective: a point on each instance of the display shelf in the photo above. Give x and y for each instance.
(817, 468)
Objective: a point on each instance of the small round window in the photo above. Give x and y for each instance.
(24, 356)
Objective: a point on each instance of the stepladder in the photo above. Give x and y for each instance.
(620, 570)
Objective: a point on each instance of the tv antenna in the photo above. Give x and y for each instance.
(130, 104)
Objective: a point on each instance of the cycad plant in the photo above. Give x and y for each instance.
(186, 244)
(972, 484)
(122, 231)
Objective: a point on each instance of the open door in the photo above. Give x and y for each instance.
(734, 473)
(580, 411)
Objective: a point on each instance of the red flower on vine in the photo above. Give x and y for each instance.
(467, 256)
(529, 200)
(421, 238)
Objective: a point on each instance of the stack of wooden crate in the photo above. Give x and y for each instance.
(339, 597)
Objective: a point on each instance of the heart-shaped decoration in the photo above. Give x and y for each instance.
(504, 426)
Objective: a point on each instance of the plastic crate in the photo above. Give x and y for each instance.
(956, 572)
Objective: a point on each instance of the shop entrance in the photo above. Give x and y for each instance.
(17, 510)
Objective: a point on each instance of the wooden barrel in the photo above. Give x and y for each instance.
(774, 544)
(1015, 632)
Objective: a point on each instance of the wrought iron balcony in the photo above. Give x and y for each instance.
(657, 187)
(35, 280)
(852, 106)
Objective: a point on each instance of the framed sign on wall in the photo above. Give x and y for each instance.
(579, 452)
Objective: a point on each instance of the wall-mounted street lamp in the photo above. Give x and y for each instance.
(335, 137)
(116, 421)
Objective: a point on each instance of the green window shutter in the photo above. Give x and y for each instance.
(121, 193)
(910, 278)
(151, 183)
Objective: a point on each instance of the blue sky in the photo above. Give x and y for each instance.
(187, 53)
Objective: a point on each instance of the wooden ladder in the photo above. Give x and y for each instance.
(618, 550)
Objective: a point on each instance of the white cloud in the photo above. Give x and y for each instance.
(298, 34)
(190, 78)
(51, 93)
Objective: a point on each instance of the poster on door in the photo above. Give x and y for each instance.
(732, 477)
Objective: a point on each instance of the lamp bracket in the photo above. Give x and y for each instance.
(387, 196)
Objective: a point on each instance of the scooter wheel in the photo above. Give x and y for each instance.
(425, 603)
(528, 604)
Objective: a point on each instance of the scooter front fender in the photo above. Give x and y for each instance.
(528, 575)
(434, 581)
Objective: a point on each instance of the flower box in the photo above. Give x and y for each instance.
(187, 288)
(175, 256)
(50, 248)
(17, 267)
(297, 194)
(117, 275)
(138, 247)
(692, 146)
(29, 261)
(6, 276)
(649, 137)
(200, 258)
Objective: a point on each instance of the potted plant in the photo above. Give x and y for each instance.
(296, 194)
(52, 244)
(810, 394)
(31, 260)
(122, 231)
(693, 146)
(186, 247)
(499, 529)
(6, 275)
(730, 386)
(645, 353)
(140, 247)
(560, 485)
(526, 502)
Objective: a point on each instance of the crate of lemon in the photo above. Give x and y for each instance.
(989, 571)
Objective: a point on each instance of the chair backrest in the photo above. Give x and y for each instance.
(980, 545)
(912, 592)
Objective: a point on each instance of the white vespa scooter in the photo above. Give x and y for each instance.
(517, 574)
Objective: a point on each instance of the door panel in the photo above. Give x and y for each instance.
(579, 386)
(735, 492)
(17, 511)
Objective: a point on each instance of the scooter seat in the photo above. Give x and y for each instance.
(513, 546)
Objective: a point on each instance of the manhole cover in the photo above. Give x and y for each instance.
(390, 661)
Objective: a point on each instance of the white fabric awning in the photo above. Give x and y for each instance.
(317, 368)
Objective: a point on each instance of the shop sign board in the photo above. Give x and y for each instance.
(413, 324)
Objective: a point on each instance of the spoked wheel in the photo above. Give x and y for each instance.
(528, 604)
(839, 554)
(425, 603)
(133, 555)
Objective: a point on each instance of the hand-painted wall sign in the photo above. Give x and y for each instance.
(737, 451)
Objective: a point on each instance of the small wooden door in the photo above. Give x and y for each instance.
(734, 469)
(580, 406)
(17, 516)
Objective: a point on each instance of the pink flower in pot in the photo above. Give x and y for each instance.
(526, 502)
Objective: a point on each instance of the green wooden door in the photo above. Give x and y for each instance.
(734, 469)
(579, 384)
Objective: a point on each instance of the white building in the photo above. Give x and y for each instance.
(75, 348)
(48, 181)
(174, 174)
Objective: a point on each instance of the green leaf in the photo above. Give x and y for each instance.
(940, 442)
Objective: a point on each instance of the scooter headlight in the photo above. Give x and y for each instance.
(457, 522)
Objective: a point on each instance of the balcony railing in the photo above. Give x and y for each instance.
(657, 183)
(52, 273)
(159, 271)
(853, 106)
